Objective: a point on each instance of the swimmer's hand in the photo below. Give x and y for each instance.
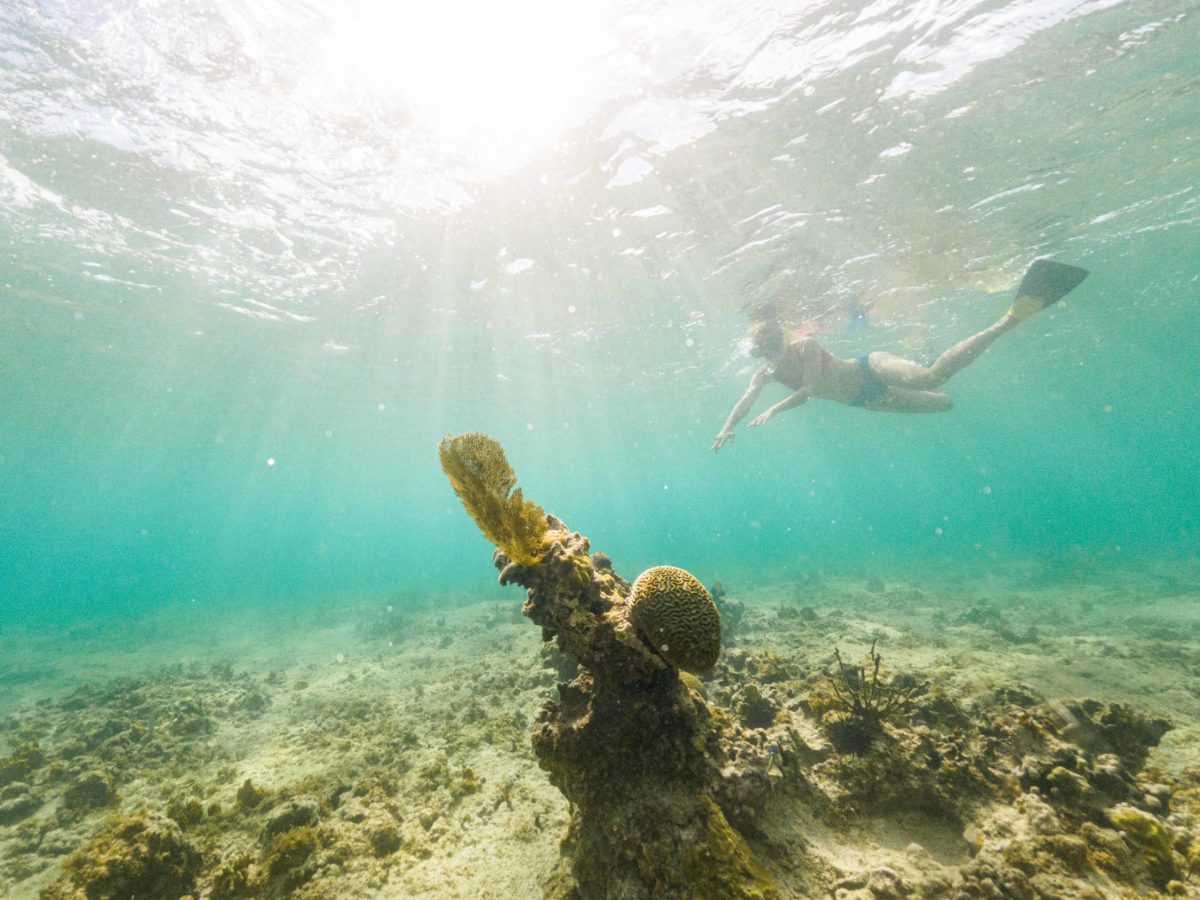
(764, 418)
(721, 439)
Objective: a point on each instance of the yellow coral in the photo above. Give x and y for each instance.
(1148, 835)
(483, 479)
(723, 866)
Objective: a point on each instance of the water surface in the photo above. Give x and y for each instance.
(259, 257)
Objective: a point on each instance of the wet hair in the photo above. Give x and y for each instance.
(767, 338)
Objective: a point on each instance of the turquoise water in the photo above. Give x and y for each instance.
(258, 258)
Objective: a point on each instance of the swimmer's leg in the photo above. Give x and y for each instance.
(1045, 282)
(903, 400)
(896, 371)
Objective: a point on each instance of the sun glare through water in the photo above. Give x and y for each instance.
(491, 82)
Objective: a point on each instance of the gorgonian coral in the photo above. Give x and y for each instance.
(481, 476)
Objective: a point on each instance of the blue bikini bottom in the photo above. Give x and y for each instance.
(873, 388)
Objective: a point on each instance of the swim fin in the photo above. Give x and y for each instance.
(1046, 282)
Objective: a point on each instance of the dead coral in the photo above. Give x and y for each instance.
(140, 855)
(481, 476)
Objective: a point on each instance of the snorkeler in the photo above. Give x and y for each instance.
(878, 381)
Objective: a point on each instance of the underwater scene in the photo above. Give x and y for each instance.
(612, 449)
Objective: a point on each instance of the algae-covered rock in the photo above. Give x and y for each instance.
(139, 855)
(721, 864)
(21, 763)
(676, 614)
(91, 790)
(186, 812)
(289, 859)
(17, 802)
(249, 795)
(384, 836)
(237, 878)
(289, 815)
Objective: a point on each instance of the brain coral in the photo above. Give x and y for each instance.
(677, 615)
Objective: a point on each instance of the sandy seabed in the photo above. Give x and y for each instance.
(375, 750)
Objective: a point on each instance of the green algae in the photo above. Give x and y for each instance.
(24, 760)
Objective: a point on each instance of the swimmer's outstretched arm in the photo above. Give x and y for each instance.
(790, 402)
(757, 381)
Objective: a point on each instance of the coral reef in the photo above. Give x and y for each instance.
(1042, 816)
(655, 777)
(481, 476)
(358, 768)
(675, 613)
